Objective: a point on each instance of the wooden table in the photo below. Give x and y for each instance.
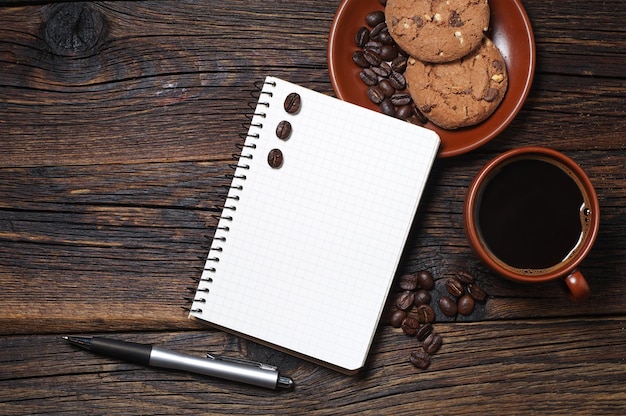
(117, 124)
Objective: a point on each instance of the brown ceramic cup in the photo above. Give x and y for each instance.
(532, 215)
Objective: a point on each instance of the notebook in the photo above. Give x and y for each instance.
(304, 254)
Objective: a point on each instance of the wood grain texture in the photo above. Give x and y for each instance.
(470, 375)
(117, 124)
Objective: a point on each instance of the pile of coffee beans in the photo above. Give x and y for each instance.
(464, 293)
(383, 64)
(413, 314)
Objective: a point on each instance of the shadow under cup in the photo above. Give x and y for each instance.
(532, 215)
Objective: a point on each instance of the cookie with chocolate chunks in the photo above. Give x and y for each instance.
(460, 93)
(437, 30)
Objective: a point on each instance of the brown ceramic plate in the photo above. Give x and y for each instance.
(510, 31)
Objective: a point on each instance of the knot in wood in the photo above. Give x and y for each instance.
(72, 29)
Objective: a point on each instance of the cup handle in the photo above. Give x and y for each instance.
(577, 285)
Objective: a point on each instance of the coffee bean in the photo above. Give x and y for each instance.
(292, 103)
(387, 107)
(386, 38)
(368, 76)
(375, 94)
(476, 292)
(465, 277)
(432, 343)
(405, 300)
(425, 280)
(373, 46)
(374, 18)
(422, 297)
(419, 115)
(454, 287)
(401, 99)
(447, 306)
(408, 282)
(383, 70)
(425, 314)
(399, 63)
(372, 58)
(386, 87)
(404, 112)
(466, 305)
(362, 37)
(397, 317)
(420, 359)
(359, 59)
(275, 158)
(424, 331)
(283, 130)
(376, 30)
(410, 325)
(388, 52)
(397, 80)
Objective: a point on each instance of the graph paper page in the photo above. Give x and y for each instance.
(308, 255)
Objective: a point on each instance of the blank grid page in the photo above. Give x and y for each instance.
(312, 247)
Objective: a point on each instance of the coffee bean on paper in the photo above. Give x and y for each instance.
(292, 103)
(275, 158)
(283, 130)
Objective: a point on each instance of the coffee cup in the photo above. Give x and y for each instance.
(532, 215)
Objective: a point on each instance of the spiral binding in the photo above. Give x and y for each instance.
(229, 207)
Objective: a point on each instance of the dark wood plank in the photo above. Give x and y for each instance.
(134, 234)
(558, 368)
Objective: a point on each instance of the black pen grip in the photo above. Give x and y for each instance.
(122, 350)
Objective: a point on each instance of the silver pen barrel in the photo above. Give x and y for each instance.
(234, 371)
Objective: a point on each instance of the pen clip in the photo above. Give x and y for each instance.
(243, 361)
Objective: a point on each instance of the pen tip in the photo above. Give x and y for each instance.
(80, 341)
(285, 382)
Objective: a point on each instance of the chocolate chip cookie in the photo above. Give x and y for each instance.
(460, 93)
(437, 30)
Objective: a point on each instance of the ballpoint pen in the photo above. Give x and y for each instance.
(234, 369)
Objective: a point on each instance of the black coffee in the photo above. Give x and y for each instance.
(530, 214)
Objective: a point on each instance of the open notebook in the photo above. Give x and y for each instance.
(304, 254)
